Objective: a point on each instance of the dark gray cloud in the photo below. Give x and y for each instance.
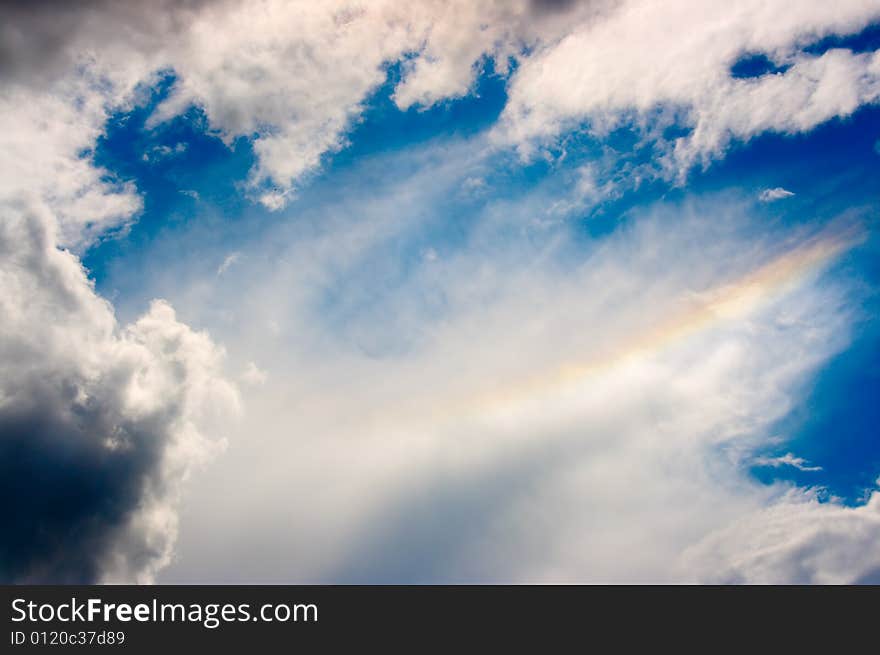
(549, 6)
(41, 40)
(66, 496)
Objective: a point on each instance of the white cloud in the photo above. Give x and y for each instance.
(227, 262)
(474, 185)
(291, 75)
(789, 459)
(637, 62)
(795, 541)
(40, 152)
(158, 153)
(294, 76)
(777, 193)
(588, 189)
(253, 375)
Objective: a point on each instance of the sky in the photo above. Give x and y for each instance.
(440, 292)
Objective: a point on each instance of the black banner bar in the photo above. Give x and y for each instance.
(180, 618)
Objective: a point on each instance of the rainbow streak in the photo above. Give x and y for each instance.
(727, 302)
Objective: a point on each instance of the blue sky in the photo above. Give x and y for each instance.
(453, 293)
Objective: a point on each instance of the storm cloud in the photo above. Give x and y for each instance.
(39, 41)
(98, 424)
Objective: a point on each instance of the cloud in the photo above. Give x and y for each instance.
(99, 424)
(158, 153)
(798, 540)
(44, 151)
(294, 76)
(646, 370)
(649, 367)
(789, 459)
(308, 70)
(254, 375)
(588, 190)
(777, 193)
(634, 66)
(40, 41)
(228, 261)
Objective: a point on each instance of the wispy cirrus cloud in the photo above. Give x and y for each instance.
(647, 373)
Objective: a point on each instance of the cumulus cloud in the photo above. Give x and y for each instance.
(291, 75)
(295, 75)
(99, 424)
(44, 150)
